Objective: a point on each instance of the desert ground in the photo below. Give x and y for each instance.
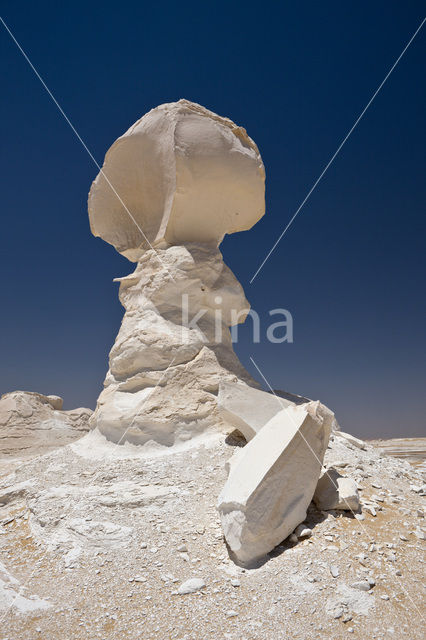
(97, 540)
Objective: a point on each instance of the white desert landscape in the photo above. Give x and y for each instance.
(193, 503)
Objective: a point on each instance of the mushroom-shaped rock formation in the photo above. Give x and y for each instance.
(179, 174)
(170, 188)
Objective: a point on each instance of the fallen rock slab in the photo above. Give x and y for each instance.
(356, 442)
(336, 492)
(272, 483)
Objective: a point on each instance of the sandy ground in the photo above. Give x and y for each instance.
(96, 539)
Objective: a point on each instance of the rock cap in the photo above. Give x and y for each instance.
(180, 174)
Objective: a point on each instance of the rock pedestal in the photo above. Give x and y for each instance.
(173, 348)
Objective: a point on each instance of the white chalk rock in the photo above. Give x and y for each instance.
(356, 442)
(164, 373)
(248, 409)
(336, 492)
(32, 423)
(273, 480)
(302, 531)
(56, 402)
(191, 586)
(180, 174)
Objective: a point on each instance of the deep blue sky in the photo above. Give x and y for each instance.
(352, 267)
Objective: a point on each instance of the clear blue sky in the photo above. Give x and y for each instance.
(352, 267)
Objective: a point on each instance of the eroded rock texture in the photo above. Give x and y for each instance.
(170, 188)
(32, 423)
(179, 174)
(273, 479)
(164, 373)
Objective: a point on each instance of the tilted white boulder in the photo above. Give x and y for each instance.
(248, 409)
(180, 174)
(336, 492)
(273, 480)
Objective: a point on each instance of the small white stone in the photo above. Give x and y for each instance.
(334, 570)
(361, 585)
(419, 533)
(302, 531)
(191, 586)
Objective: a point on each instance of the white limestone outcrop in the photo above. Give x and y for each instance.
(334, 491)
(179, 174)
(273, 480)
(164, 374)
(32, 423)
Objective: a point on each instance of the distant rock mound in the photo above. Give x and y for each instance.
(32, 423)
